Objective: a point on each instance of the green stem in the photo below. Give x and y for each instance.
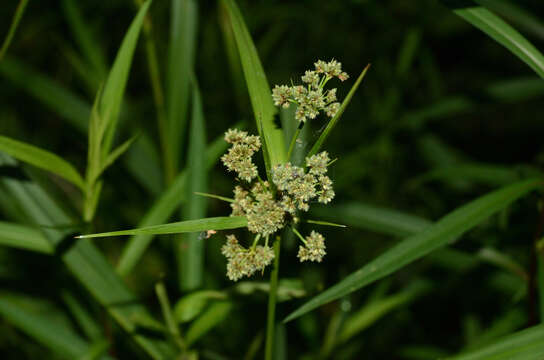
(298, 234)
(293, 141)
(270, 322)
(173, 328)
(15, 22)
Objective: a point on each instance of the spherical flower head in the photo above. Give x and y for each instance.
(238, 157)
(332, 109)
(262, 257)
(314, 249)
(311, 77)
(318, 163)
(265, 217)
(281, 95)
(231, 247)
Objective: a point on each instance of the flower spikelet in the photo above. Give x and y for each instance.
(238, 158)
(244, 262)
(312, 98)
(314, 248)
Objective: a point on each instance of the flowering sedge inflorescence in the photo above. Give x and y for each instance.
(270, 206)
(311, 98)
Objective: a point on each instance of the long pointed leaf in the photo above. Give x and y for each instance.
(191, 251)
(503, 33)
(414, 247)
(114, 89)
(259, 90)
(215, 223)
(42, 159)
(23, 237)
(325, 134)
(11, 32)
(522, 345)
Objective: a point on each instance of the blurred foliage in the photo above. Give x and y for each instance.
(444, 115)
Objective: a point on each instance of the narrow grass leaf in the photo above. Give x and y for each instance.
(84, 261)
(414, 247)
(376, 309)
(85, 39)
(87, 323)
(522, 345)
(181, 53)
(19, 11)
(42, 159)
(117, 152)
(501, 32)
(163, 208)
(39, 326)
(190, 250)
(190, 306)
(114, 88)
(23, 237)
(332, 123)
(53, 95)
(214, 223)
(216, 313)
(374, 218)
(259, 90)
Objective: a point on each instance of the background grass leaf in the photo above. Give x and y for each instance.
(259, 90)
(42, 159)
(434, 237)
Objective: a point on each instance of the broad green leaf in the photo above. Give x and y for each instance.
(502, 32)
(163, 208)
(23, 237)
(216, 313)
(183, 32)
(42, 159)
(259, 90)
(189, 249)
(416, 246)
(83, 260)
(332, 123)
(13, 27)
(114, 88)
(522, 345)
(214, 223)
(190, 306)
(37, 324)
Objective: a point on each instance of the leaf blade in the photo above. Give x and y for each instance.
(42, 159)
(435, 236)
(214, 223)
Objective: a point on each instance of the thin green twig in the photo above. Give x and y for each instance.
(293, 141)
(15, 22)
(271, 318)
(173, 328)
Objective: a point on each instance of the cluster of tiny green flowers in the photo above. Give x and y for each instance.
(264, 215)
(238, 158)
(267, 206)
(245, 262)
(313, 249)
(311, 98)
(299, 188)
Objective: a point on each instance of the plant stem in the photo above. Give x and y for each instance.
(270, 322)
(293, 141)
(173, 328)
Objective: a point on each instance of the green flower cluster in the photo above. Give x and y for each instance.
(311, 98)
(268, 207)
(245, 262)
